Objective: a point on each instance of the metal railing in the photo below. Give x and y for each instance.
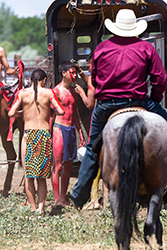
(30, 65)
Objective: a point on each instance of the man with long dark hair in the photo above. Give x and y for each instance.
(36, 142)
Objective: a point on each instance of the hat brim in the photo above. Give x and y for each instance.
(141, 26)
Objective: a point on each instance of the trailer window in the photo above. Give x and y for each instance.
(82, 62)
(83, 39)
(83, 51)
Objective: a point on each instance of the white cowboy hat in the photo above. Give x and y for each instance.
(126, 25)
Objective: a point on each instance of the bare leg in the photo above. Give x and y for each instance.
(30, 191)
(29, 183)
(94, 203)
(57, 166)
(42, 192)
(68, 165)
(55, 185)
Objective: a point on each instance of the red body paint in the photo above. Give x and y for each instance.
(73, 74)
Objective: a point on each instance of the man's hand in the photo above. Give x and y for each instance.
(17, 70)
(79, 90)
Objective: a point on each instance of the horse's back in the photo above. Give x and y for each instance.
(154, 143)
(154, 124)
(149, 117)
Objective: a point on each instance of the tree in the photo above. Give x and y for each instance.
(8, 46)
(28, 31)
(16, 33)
(5, 15)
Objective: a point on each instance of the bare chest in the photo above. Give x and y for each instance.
(67, 98)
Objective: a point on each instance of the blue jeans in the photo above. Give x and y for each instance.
(89, 165)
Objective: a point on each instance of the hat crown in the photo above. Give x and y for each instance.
(125, 19)
(126, 24)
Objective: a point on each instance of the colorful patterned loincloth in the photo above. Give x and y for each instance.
(38, 158)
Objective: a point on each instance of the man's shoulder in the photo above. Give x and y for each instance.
(103, 43)
(56, 89)
(142, 41)
(46, 90)
(57, 86)
(146, 46)
(103, 46)
(25, 91)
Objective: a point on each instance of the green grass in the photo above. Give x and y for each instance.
(18, 225)
(21, 227)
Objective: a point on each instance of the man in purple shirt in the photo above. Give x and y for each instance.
(120, 69)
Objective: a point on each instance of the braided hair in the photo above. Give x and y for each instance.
(37, 75)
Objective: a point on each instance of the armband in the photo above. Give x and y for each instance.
(80, 72)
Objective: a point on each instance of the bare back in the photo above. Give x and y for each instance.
(36, 116)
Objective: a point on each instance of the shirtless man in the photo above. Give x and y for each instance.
(64, 138)
(36, 142)
(4, 62)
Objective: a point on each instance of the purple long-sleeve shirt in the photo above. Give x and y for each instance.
(120, 68)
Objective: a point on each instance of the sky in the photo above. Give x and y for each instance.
(28, 8)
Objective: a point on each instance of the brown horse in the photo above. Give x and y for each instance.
(8, 145)
(135, 152)
(7, 94)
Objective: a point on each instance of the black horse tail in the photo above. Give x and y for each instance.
(130, 163)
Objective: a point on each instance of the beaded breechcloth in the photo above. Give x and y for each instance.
(38, 158)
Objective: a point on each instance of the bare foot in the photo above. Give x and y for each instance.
(59, 203)
(92, 205)
(40, 211)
